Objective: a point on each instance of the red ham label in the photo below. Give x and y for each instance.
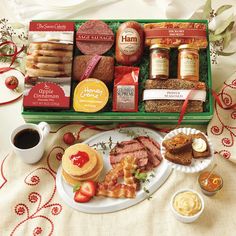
(46, 95)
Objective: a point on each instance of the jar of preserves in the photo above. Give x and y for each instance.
(159, 61)
(188, 62)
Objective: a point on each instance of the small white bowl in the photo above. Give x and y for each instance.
(182, 218)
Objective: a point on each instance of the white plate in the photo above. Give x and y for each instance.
(7, 94)
(197, 164)
(105, 204)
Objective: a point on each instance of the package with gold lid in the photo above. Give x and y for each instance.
(188, 62)
(159, 62)
(90, 95)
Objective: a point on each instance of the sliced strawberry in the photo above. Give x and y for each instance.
(88, 188)
(79, 197)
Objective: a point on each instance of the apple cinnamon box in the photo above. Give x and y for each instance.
(49, 65)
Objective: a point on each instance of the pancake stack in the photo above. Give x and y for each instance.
(49, 59)
(72, 173)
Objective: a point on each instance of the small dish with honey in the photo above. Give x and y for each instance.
(210, 185)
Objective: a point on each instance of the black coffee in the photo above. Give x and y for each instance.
(26, 138)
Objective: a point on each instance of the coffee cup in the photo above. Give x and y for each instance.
(28, 141)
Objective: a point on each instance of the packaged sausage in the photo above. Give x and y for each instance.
(169, 95)
(129, 43)
(125, 92)
(94, 37)
(173, 34)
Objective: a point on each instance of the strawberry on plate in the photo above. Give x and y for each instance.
(79, 197)
(85, 191)
(88, 188)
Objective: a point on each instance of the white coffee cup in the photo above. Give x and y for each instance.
(35, 153)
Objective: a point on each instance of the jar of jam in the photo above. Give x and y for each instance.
(159, 61)
(188, 62)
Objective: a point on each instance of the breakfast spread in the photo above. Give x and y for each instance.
(187, 203)
(130, 163)
(182, 148)
(138, 155)
(122, 68)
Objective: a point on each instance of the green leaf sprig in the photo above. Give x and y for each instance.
(220, 37)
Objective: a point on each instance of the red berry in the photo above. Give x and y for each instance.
(88, 188)
(79, 197)
(11, 82)
(69, 138)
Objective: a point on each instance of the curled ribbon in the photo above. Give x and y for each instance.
(218, 101)
(13, 55)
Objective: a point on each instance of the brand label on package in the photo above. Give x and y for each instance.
(49, 65)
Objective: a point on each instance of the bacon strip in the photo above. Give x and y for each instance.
(110, 186)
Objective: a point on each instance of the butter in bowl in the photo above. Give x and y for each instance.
(187, 205)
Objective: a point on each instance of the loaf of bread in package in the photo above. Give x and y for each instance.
(174, 34)
(169, 95)
(104, 69)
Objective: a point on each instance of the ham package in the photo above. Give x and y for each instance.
(125, 93)
(129, 43)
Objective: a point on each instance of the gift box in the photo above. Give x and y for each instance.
(108, 116)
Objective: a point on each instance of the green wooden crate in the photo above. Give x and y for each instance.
(107, 116)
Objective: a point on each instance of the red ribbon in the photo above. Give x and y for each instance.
(90, 67)
(218, 101)
(12, 55)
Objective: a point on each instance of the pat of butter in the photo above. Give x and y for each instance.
(199, 145)
(90, 95)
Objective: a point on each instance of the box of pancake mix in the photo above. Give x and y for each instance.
(49, 65)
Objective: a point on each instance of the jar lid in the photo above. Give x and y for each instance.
(155, 46)
(190, 46)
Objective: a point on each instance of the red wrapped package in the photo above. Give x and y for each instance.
(125, 92)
